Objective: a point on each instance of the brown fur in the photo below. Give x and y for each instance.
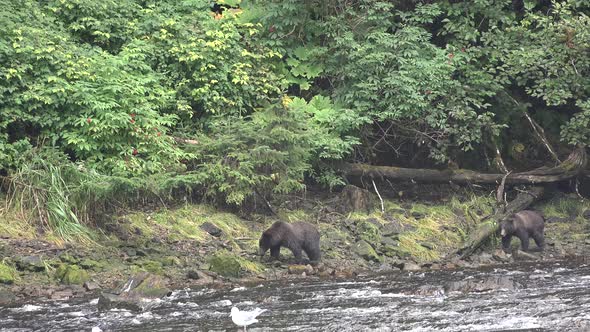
(297, 237)
(524, 225)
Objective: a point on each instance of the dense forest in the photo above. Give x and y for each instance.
(127, 100)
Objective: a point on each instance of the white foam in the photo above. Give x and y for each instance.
(27, 308)
(221, 303)
(237, 289)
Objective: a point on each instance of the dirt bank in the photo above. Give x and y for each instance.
(196, 245)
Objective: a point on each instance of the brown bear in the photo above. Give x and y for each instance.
(297, 236)
(524, 224)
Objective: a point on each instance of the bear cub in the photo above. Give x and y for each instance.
(524, 225)
(297, 237)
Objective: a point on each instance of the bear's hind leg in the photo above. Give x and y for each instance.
(313, 253)
(539, 240)
(524, 241)
(297, 252)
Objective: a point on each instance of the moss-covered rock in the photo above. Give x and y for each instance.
(225, 264)
(369, 232)
(90, 264)
(171, 261)
(364, 249)
(71, 274)
(7, 274)
(152, 266)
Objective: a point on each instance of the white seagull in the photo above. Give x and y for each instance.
(245, 318)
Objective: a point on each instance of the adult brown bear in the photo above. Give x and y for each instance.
(297, 237)
(524, 225)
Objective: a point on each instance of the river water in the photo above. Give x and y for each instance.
(547, 297)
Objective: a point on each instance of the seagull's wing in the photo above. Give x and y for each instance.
(251, 315)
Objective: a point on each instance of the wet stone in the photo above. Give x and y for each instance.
(62, 294)
(300, 269)
(479, 285)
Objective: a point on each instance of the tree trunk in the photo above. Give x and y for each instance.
(492, 224)
(571, 167)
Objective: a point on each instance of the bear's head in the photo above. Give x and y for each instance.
(264, 243)
(507, 227)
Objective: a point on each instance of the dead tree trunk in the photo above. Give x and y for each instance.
(571, 167)
(491, 225)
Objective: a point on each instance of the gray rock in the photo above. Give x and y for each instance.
(91, 286)
(481, 284)
(586, 214)
(108, 301)
(211, 228)
(30, 263)
(6, 297)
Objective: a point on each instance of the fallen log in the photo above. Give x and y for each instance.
(492, 224)
(571, 167)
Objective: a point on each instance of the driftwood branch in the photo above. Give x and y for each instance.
(491, 226)
(571, 167)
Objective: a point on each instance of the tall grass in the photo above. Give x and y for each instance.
(43, 186)
(66, 198)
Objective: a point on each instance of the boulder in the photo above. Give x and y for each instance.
(211, 228)
(484, 284)
(199, 275)
(353, 198)
(364, 249)
(91, 286)
(586, 214)
(135, 293)
(225, 264)
(30, 263)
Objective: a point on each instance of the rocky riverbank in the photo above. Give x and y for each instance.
(196, 245)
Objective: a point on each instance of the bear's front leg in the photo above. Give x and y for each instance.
(524, 242)
(506, 242)
(275, 252)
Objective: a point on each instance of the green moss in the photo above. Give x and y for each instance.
(72, 274)
(7, 274)
(228, 264)
(184, 223)
(152, 266)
